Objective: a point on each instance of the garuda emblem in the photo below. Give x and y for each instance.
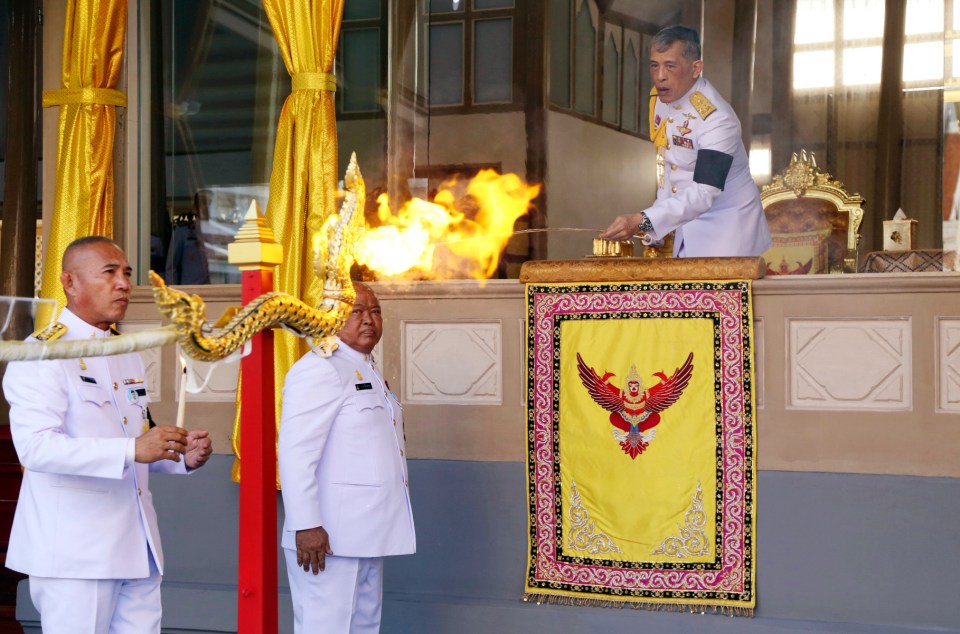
(635, 410)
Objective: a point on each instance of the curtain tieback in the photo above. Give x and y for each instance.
(103, 96)
(314, 81)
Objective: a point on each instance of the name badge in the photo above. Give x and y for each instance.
(88, 379)
(363, 386)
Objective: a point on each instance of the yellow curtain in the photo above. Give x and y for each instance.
(93, 41)
(303, 185)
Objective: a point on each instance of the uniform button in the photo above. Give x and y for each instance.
(138, 491)
(114, 386)
(673, 167)
(401, 452)
(124, 420)
(669, 119)
(673, 189)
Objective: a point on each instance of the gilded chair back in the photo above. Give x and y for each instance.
(803, 201)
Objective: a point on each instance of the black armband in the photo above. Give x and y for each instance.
(712, 168)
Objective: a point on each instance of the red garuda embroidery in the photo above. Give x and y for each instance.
(635, 411)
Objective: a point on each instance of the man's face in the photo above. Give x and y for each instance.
(364, 326)
(97, 281)
(673, 74)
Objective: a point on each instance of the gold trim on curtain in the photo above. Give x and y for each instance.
(93, 41)
(303, 185)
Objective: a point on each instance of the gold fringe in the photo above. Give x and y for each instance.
(557, 599)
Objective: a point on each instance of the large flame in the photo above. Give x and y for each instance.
(448, 238)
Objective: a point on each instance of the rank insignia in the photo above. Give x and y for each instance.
(684, 129)
(83, 365)
(359, 376)
(51, 333)
(682, 141)
(702, 105)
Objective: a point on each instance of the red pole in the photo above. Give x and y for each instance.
(256, 253)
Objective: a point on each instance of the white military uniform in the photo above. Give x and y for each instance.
(85, 512)
(342, 467)
(720, 219)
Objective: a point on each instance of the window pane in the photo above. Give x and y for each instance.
(492, 4)
(955, 58)
(862, 66)
(361, 10)
(446, 64)
(558, 30)
(493, 61)
(814, 21)
(360, 52)
(611, 81)
(444, 6)
(862, 19)
(923, 62)
(631, 82)
(813, 69)
(924, 16)
(585, 68)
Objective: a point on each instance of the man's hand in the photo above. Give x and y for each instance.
(163, 442)
(313, 546)
(624, 227)
(199, 449)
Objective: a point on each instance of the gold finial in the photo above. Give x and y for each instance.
(255, 246)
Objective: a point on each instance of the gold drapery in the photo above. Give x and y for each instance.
(303, 184)
(93, 40)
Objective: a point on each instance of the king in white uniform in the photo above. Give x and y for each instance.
(704, 188)
(343, 475)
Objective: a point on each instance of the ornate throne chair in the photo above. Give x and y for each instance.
(814, 221)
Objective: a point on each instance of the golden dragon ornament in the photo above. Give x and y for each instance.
(333, 258)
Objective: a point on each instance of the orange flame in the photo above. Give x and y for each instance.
(440, 240)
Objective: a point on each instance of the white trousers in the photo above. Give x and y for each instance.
(98, 606)
(345, 598)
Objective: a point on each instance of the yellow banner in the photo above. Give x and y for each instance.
(651, 496)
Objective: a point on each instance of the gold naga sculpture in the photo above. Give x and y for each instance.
(333, 257)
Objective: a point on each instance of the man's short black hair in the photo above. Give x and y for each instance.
(85, 241)
(668, 36)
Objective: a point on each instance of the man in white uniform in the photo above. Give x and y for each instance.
(85, 529)
(704, 188)
(344, 480)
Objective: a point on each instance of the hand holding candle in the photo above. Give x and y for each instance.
(182, 394)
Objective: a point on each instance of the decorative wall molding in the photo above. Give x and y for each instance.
(452, 362)
(948, 364)
(151, 357)
(846, 364)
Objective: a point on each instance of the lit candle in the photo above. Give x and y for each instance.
(182, 405)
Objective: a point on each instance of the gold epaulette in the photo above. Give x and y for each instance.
(50, 333)
(702, 105)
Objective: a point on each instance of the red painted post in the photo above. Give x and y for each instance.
(256, 253)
